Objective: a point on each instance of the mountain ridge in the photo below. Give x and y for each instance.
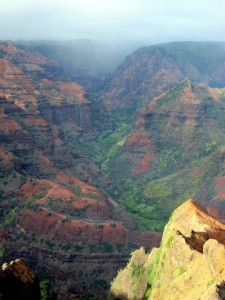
(150, 71)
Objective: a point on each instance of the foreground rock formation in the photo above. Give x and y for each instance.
(18, 281)
(190, 263)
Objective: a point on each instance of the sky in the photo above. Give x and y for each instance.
(136, 21)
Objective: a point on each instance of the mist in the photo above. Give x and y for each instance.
(118, 22)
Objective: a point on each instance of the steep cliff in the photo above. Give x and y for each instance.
(188, 265)
(38, 85)
(37, 108)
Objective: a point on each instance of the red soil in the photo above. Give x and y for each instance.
(220, 188)
(144, 165)
(86, 189)
(65, 178)
(139, 144)
(50, 189)
(9, 126)
(47, 82)
(37, 121)
(46, 223)
(44, 161)
(72, 89)
(196, 171)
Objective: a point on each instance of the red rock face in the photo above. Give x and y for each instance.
(55, 226)
(145, 75)
(215, 206)
(140, 151)
(220, 189)
(59, 102)
(6, 158)
(56, 202)
(64, 199)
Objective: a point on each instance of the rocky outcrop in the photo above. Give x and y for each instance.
(18, 281)
(131, 282)
(188, 265)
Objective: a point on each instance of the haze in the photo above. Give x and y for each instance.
(135, 21)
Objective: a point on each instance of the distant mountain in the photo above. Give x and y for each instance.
(150, 71)
(188, 265)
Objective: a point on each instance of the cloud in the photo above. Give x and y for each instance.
(141, 21)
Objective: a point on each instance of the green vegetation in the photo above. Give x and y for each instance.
(2, 53)
(153, 272)
(5, 172)
(137, 271)
(171, 95)
(45, 289)
(31, 204)
(179, 271)
(152, 196)
(9, 218)
(103, 247)
(169, 242)
(2, 252)
(211, 282)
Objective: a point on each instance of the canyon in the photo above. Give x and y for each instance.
(91, 169)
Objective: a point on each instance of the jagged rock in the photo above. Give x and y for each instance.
(190, 263)
(18, 281)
